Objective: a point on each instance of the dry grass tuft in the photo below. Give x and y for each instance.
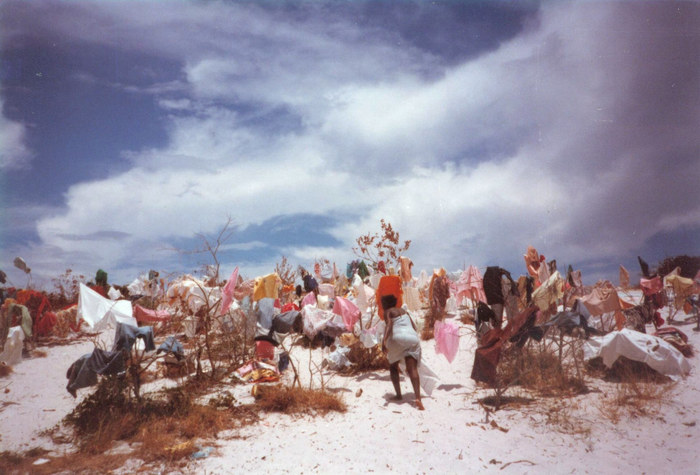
(158, 427)
(562, 418)
(296, 400)
(366, 359)
(637, 391)
(5, 370)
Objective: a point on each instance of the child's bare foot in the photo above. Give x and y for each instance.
(398, 397)
(419, 404)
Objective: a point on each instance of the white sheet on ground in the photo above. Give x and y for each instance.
(98, 311)
(428, 379)
(648, 349)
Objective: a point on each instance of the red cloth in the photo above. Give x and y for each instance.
(44, 324)
(389, 285)
(37, 304)
(145, 315)
(100, 290)
(288, 307)
(264, 349)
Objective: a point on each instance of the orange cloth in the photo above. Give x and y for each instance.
(625, 304)
(624, 277)
(532, 262)
(389, 285)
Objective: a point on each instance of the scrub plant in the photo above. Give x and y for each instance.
(382, 246)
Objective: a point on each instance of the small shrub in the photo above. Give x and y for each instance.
(296, 400)
(366, 359)
(5, 370)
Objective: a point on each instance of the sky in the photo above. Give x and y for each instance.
(129, 130)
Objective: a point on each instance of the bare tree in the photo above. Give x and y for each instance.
(383, 246)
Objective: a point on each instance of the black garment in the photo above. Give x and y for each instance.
(284, 322)
(527, 330)
(83, 372)
(484, 314)
(570, 276)
(529, 289)
(492, 285)
(310, 283)
(645, 267)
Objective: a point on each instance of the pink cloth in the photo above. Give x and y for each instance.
(602, 299)
(310, 299)
(145, 315)
(446, 339)
(348, 311)
(471, 285)
(651, 286)
(227, 291)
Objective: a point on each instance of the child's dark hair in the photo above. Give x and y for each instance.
(388, 301)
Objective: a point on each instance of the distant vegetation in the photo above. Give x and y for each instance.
(689, 265)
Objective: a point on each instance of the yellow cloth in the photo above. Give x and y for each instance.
(266, 287)
(682, 288)
(548, 293)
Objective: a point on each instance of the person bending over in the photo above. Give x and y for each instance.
(401, 342)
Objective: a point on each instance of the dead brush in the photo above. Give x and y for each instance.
(109, 414)
(365, 359)
(562, 417)
(636, 391)
(161, 422)
(297, 400)
(538, 368)
(166, 438)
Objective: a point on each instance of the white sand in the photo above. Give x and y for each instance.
(377, 434)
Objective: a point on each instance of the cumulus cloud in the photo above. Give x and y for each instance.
(14, 152)
(579, 135)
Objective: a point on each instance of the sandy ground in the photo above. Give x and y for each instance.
(377, 434)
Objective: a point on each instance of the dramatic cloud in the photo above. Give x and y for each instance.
(575, 132)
